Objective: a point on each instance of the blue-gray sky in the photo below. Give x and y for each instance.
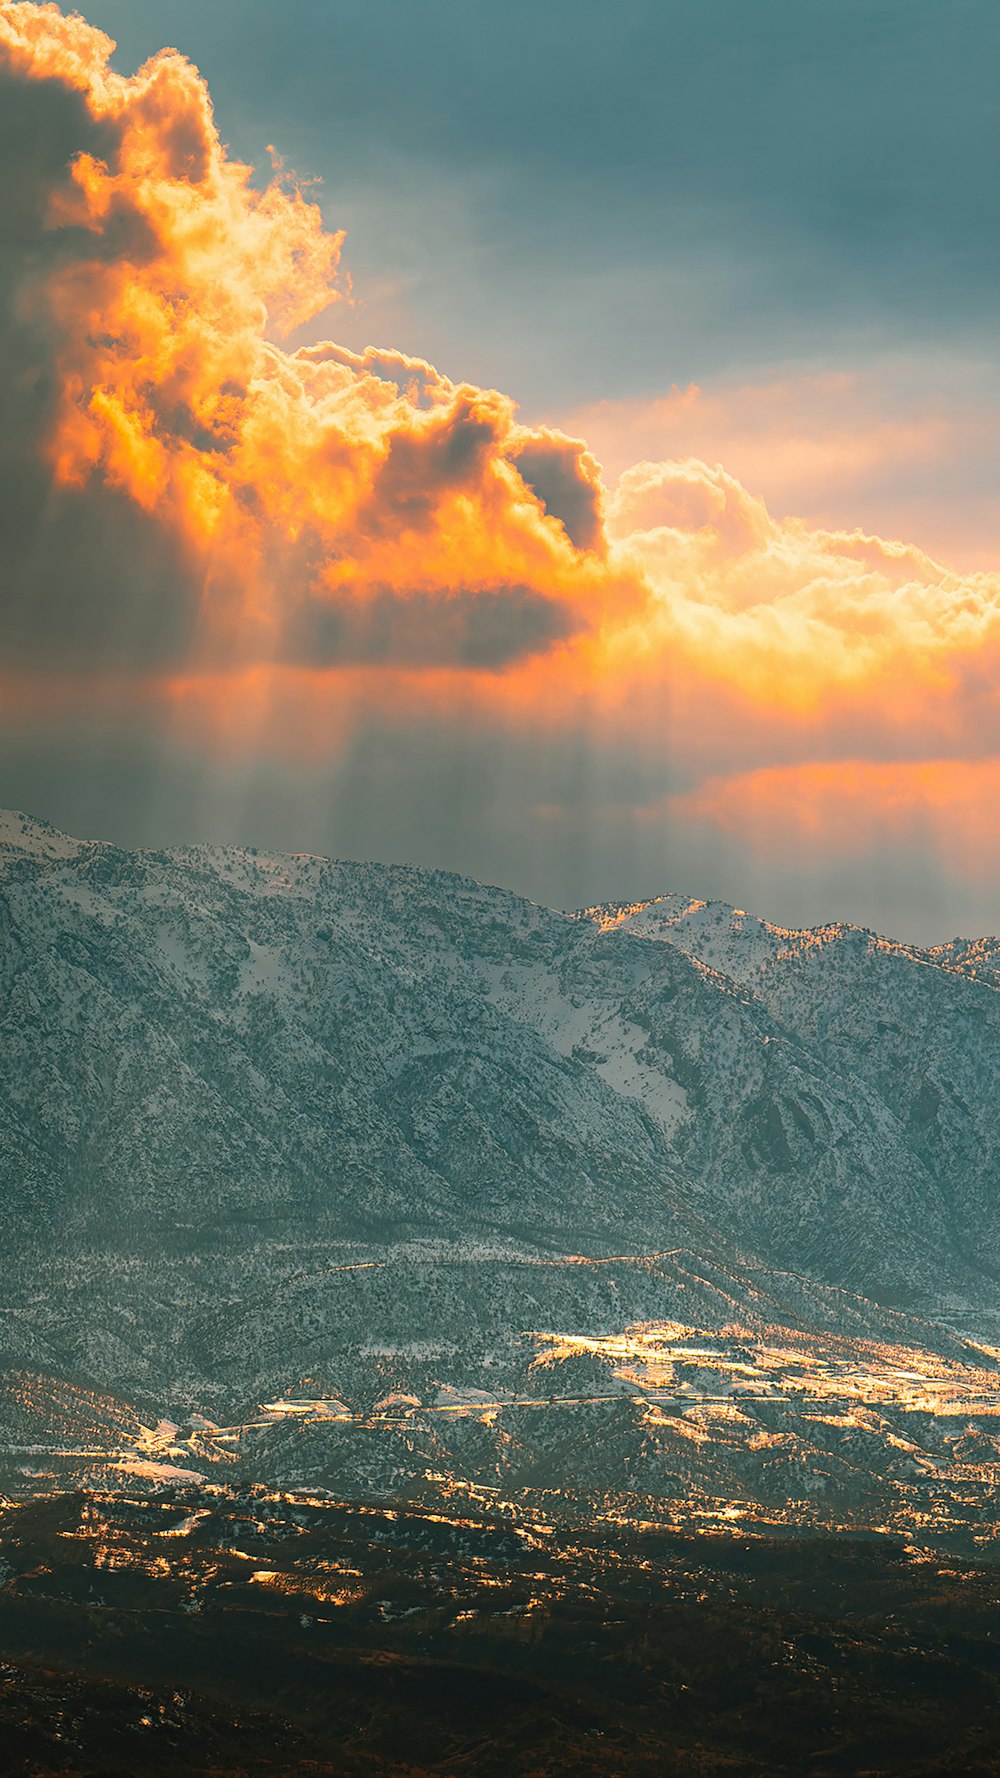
(571, 200)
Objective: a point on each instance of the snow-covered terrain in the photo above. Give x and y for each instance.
(317, 1151)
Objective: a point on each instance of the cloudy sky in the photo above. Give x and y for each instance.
(546, 440)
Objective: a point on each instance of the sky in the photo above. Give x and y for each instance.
(543, 440)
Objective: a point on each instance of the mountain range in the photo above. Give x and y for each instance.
(366, 1177)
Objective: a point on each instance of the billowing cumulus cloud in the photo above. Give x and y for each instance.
(908, 445)
(340, 562)
(147, 284)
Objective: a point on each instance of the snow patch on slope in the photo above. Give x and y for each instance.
(592, 1030)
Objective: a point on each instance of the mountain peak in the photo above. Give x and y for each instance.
(24, 834)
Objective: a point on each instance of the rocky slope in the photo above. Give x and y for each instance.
(348, 1137)
(866, 1150)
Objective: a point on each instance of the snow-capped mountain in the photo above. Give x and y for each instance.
(342, 1137)
(867, 1149)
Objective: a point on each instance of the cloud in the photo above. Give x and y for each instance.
(177, 481)
(68, 584)
(854, 805)
(261, 551)
(909, 847)
(566, 479)
(908, 445)
(455, 627)
(817, 626)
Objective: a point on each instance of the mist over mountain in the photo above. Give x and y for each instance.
(371, 1177)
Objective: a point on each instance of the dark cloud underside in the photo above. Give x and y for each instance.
(486, 629)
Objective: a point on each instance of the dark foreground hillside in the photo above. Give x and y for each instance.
(262, 1636)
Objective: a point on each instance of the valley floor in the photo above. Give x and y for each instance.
(250, 1637)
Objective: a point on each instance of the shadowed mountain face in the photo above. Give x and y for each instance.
(658, 1199)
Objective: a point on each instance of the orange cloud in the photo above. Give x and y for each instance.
(856, 808)
(318, 502)
(809, 622)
